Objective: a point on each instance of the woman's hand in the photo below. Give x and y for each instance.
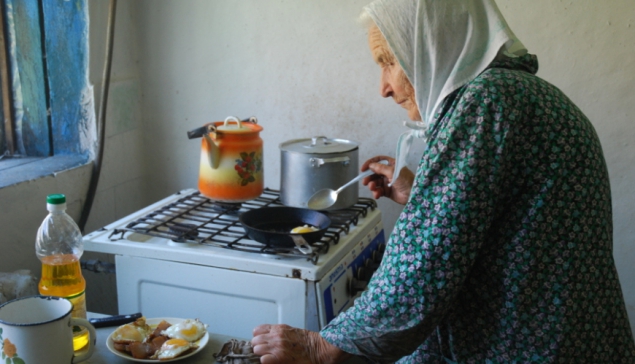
(285, 344)
(378, 183)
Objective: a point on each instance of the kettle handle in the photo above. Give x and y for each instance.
(251, 119)
(201, 131)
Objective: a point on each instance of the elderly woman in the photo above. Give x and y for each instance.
(503, 252)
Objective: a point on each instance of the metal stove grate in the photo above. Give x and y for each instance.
(194, 218)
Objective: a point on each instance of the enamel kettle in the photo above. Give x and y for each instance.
(230, 167)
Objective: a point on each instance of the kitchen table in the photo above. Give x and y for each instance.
(102, 355)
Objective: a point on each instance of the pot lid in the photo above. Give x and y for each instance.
(319, 145)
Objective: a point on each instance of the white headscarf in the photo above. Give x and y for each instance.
(441, 45)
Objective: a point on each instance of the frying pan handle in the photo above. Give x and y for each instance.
(301, 244)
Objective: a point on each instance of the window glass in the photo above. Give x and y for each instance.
(26, 66)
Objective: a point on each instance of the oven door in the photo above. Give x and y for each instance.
(231, 302)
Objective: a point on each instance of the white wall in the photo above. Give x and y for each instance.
(303, 68)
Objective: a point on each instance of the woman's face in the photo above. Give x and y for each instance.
(393, 82)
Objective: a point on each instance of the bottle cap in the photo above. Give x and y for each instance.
(56, 199)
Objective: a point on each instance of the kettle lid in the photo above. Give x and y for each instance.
(242, 126)
(234, 125)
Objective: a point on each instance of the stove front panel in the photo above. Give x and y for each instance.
(231, 302)
(344, 283)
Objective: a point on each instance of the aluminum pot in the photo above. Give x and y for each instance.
(309, 165)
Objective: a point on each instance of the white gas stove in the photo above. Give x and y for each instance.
(187, 256)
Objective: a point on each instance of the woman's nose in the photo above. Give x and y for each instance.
(385, 89)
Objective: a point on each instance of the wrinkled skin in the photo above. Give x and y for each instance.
(393, 83)
(283, 344)
(378, 183)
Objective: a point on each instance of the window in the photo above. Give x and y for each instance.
(47, 102)
(6, 143)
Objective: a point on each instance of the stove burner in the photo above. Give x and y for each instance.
(183, 232)
(230, 208)
(195, 219)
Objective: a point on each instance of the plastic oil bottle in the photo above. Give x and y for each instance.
(59, 246)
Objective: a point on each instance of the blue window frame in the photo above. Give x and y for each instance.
(51, 101)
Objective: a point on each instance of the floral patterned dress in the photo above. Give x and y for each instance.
(503, 254)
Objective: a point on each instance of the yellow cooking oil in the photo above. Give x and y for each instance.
(62, 277)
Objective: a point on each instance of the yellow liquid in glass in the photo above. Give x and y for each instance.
(62, 277)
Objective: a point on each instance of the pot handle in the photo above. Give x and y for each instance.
(315, 139)
(301, 244)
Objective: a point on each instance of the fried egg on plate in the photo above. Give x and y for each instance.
(135, 331)
(190, 330)
(173, 348)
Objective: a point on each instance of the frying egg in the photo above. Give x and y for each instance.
(303, 229)
(135, 331)
(173, 348)
(190, 330)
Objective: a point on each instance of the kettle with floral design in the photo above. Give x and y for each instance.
(231, 168)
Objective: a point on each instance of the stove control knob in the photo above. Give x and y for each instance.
(371, 264)
(377, 255)
(361, 273)
(365, 273)
(381, 248)
(355, 286)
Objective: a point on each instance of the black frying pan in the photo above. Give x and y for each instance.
(273, 225)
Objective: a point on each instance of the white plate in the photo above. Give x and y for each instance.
(153, 322)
